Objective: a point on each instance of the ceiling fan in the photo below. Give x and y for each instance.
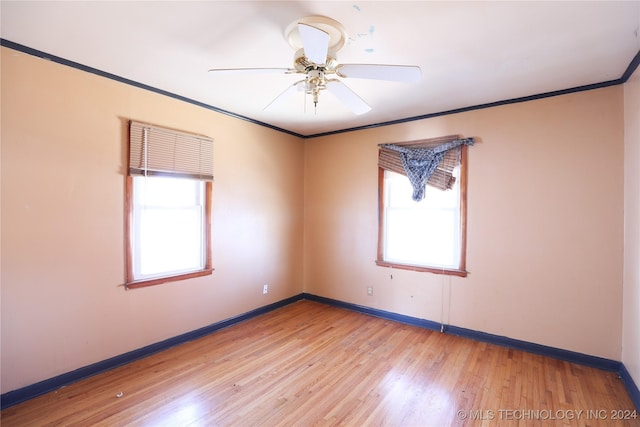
(316, 39)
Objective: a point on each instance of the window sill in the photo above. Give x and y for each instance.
(160, 280)
(449, 272)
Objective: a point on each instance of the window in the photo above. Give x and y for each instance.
(168, 206)
(429, 234)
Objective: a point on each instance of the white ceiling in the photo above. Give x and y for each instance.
(471, 53)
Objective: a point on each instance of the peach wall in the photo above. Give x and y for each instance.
(63, 164)
(631, 291)
(545, 223)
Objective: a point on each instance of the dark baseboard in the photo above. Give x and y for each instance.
(427, 324)
(29, 392)
(556, 353)
(631, 386)
(543, 350)
(17, 396)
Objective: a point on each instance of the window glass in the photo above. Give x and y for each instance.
(168, 230)
(422, 234)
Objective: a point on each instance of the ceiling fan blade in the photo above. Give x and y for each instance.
(347, 97)
(315, 43)
(396, 73)
(251, 70)
(286, 94)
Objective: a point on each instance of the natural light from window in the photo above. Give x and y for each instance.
(425, 233)
(168, 238)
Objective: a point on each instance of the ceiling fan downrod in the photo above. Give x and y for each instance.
(314, 83)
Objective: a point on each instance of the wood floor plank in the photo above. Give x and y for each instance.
(312, 364)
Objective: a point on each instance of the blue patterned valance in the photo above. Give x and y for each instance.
(420, 163)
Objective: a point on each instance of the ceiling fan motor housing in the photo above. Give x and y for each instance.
(302, 64)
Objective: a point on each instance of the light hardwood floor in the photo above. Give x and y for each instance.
(312, 364)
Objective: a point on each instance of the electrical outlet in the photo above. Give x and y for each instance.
(370, 291)
(265, 289)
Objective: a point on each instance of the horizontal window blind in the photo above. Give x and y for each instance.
(442, 177)
(155, 150)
